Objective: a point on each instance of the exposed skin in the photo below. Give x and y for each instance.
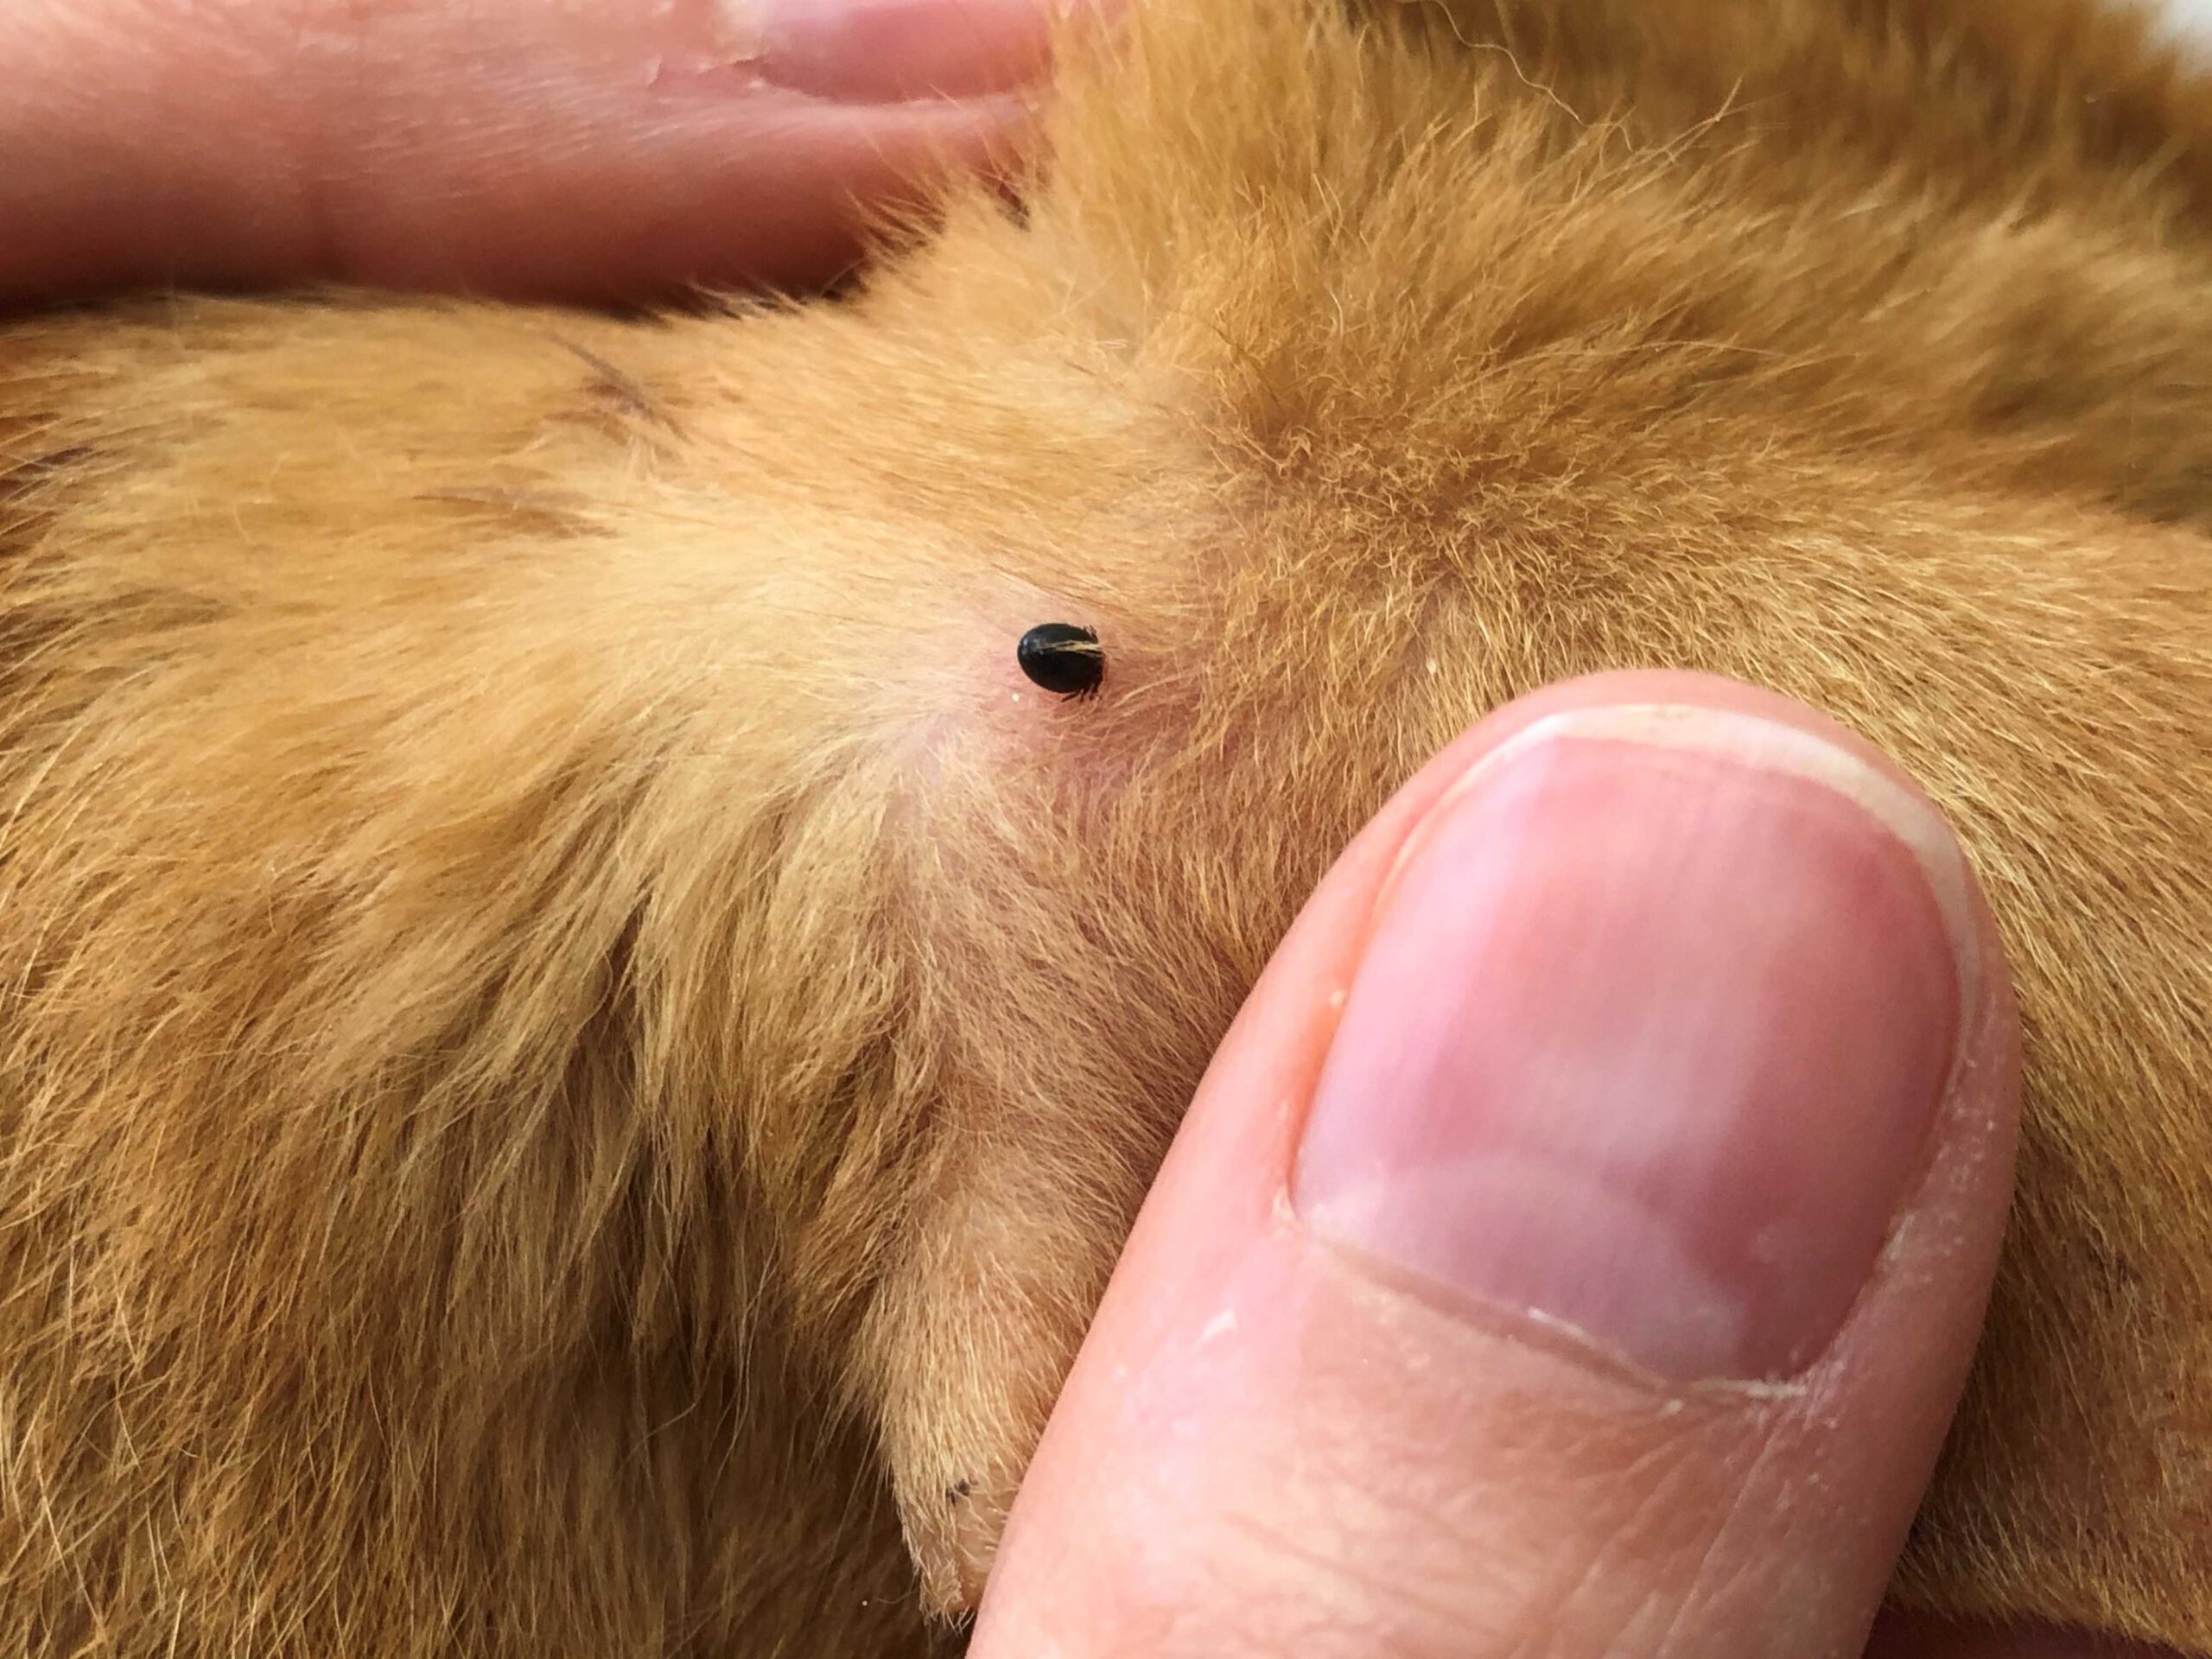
(545, 151)
(477, 247)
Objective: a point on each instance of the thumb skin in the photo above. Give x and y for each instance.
(528, 148)
(1578, 1244)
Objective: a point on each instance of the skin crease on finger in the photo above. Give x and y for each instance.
(583, 1042)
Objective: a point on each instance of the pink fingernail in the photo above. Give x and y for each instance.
(890, 50)
(1655, 1017)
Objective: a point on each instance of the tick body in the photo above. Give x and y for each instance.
(1063, 658)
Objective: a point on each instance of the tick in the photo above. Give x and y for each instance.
(1062, 658)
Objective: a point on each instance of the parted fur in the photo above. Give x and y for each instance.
(578, 1044)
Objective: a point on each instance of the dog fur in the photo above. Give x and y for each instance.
(579, 1045)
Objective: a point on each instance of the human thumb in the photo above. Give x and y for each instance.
(1579, 1242)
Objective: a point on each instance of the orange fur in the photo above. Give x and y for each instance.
(578, 1051)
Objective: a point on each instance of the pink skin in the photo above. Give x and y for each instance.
(1303, 1425)
(526, 147)
(621, 148)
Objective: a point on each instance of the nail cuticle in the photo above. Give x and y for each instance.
(1561, 1338)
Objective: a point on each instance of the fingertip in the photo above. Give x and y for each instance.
(1259, 1404)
